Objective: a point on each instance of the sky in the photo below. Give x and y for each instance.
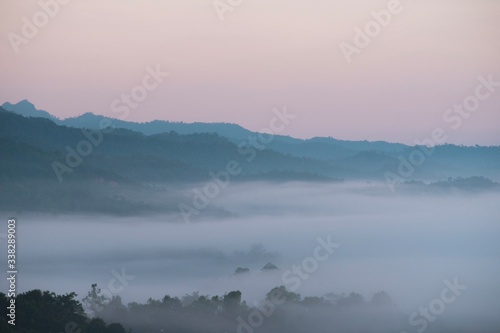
(240, 61)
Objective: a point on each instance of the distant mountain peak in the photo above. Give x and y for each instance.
(26, 102)
(87, 115)
(27, 109)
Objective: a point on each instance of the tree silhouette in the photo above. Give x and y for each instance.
(95, 301)
(115, 328)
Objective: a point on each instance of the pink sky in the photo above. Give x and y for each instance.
(265, 54)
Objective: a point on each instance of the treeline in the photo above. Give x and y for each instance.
(45, 312)
(281, 311)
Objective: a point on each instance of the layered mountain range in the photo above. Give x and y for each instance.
(94, 163)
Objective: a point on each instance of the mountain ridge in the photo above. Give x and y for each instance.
(45, 166)
(316, 147)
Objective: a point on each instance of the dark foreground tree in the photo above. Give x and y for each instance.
(96, 325)
(44, 311)
(115, 328)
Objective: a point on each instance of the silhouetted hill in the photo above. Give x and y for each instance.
(48, 167)
(317, 148)
(113, 165)
(27, 109)
(193, 152)
(91, 121)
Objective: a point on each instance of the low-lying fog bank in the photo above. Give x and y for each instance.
(333, 238)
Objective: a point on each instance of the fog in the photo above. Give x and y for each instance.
(405, 243)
